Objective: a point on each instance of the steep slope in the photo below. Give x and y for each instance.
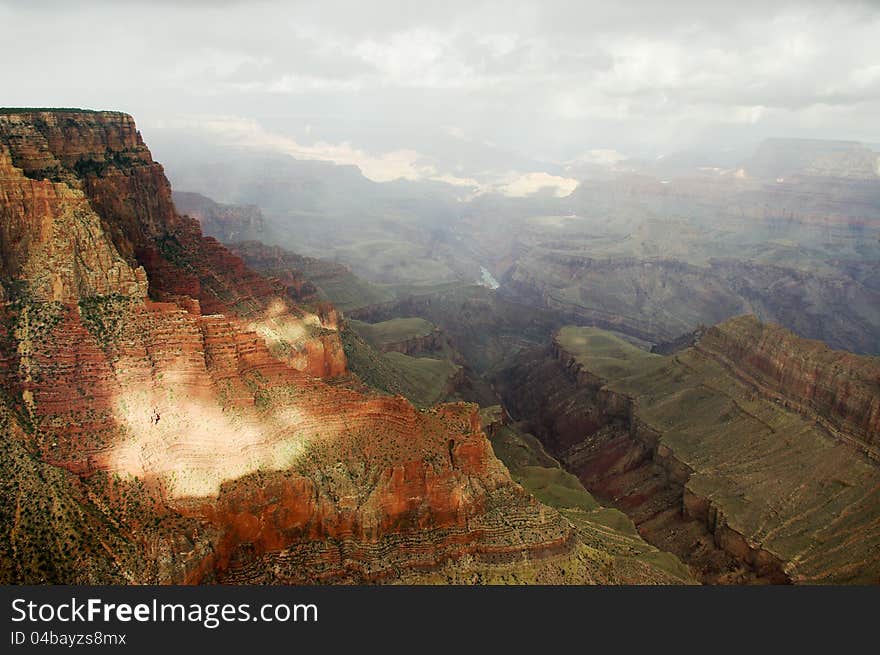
(226, 223)
(609, 532)
(841, 391)
(744, 454)
(169, 415)
(332, 282)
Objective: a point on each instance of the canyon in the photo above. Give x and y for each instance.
(186, 401)
(171, 415)
(790, 233)
(656, 258)
(736, 447)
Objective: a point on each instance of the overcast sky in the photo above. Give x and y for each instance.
(400, 87)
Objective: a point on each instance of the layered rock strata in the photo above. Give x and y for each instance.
(719, 469)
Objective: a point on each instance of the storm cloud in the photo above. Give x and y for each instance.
(453, 90)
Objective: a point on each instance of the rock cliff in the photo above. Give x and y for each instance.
(659, 299)
(837, 389)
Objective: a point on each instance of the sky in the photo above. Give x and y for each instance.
(472, 92)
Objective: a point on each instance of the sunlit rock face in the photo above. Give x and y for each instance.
(192, 410)
(51, 236)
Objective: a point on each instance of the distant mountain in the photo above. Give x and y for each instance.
(225, 222)
(782, 158)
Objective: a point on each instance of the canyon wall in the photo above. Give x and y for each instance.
(414, 345)
(739, 484)
(657, 300)
(51, 236)
(838, 389)
(227, 223)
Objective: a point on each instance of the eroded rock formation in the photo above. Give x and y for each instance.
(181, 414)
(839, 390)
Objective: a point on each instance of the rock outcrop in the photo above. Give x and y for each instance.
(51, 237)
(407, 335)
(127, 217)
(681, 342)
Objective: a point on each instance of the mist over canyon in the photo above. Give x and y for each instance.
(287, 373)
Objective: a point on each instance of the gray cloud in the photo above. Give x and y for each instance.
(548, 80)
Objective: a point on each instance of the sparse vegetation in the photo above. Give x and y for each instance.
(104, 317)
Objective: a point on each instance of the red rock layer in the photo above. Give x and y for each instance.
(377, 485)
(599, 436)
(50, 236)
(100, 161)
(279, 264)
(839, 389)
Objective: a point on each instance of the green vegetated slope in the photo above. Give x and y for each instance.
(392, 331)
(333, 281)
(426, 376)
(605, 354)
(484, 327)
(605, 532)
(344, 289)
(777, 478)
(338, 284)
(423, 380)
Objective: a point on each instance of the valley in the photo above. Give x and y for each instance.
(651, 251)
(172, 415)
(315, 378)
(704, 448)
